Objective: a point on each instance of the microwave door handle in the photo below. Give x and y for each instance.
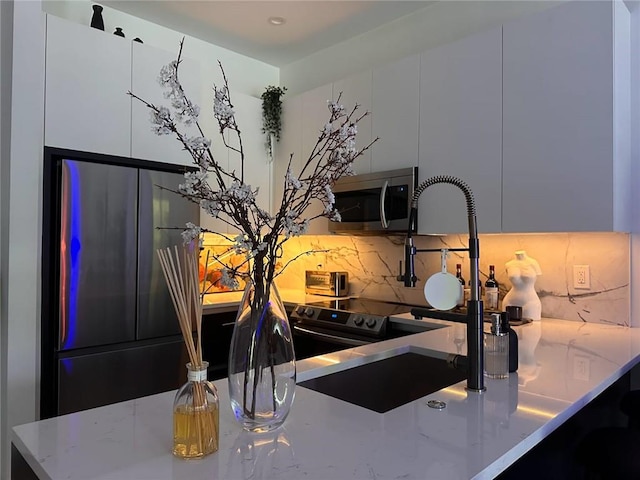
(383, 216)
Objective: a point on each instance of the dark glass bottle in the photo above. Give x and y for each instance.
(513, 342)
(461, 297)
(491, 290)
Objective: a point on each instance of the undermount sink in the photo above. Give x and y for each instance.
(385, 384)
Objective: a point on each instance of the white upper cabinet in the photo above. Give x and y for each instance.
(566, 119)
(356, 89)
(315, 115)
(88, 74)
(256, 170)
(289, 146)
(220, 152)
(145, 144)
(460, 132)
(395, 114)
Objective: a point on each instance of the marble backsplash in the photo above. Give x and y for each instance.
(373, 265)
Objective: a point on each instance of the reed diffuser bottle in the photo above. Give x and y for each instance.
(196, 415)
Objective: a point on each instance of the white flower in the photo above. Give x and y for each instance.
(228, 280)
(292, 181)
(193, 182)
(161, 120)
(192, 232)
(335, 107)
(294, 226)
(241, 192)
(212, 207)
(330, 196)
(197, 143)
(222, 110)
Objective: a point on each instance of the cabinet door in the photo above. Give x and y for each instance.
(88, 74)
(290, 144)
(395, 112)
(460, 132)
(314, 117)
(558, 120)
(356, 89)
(162, 215)
(145, 144)
(257, 167)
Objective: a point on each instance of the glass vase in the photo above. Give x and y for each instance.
(262, 367)
(196, 415)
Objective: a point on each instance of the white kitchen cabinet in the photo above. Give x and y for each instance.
(395, 112)
(460, 132)
(315, 114)
(290, 144)
(356, 89)
(220, 153)
(566, 118)
(257, 168)
(145, 144)
(88, 74)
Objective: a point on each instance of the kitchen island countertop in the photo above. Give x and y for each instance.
(563, 365)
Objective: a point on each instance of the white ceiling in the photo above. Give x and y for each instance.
(242, 26)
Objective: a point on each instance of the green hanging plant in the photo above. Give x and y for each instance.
(271, 113)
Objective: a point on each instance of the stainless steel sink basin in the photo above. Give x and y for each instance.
(385, 384)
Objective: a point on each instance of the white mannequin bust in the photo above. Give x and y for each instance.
(522, 272)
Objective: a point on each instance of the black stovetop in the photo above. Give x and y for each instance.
(363, 305)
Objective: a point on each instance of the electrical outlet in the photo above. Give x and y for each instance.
(581, 368)
(581, 277)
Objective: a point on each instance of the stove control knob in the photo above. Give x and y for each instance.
(371, 322)
(308, 312)
(358, 321)
(300, 310)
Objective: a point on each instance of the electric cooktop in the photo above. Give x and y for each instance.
(363, 305)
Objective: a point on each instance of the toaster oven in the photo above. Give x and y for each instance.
(333, 284)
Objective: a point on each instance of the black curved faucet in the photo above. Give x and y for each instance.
(475, 336)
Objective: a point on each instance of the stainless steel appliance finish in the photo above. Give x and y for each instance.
(374, 203)
(105, 305)
(332, 284)
(343, 323)
(159, 207)
(98, 254)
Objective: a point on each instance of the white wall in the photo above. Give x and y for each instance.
(22, 259)
(439, 23)
(634, 7)
(6, 43)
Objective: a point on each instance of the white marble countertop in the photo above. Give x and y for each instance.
(563, 365)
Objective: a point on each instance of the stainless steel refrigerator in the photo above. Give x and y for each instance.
(109, 330)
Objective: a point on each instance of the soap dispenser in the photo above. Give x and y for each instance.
(513, 342)
(496, 349)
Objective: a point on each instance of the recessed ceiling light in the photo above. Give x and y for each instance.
(277, 20)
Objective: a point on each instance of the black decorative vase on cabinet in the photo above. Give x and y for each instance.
(96, 19)
(119, 32)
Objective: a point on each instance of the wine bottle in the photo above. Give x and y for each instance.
(461, 296)
(491, 290)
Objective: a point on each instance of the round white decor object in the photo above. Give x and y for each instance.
(442, 291)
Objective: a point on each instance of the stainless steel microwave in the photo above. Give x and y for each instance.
(374, 203)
